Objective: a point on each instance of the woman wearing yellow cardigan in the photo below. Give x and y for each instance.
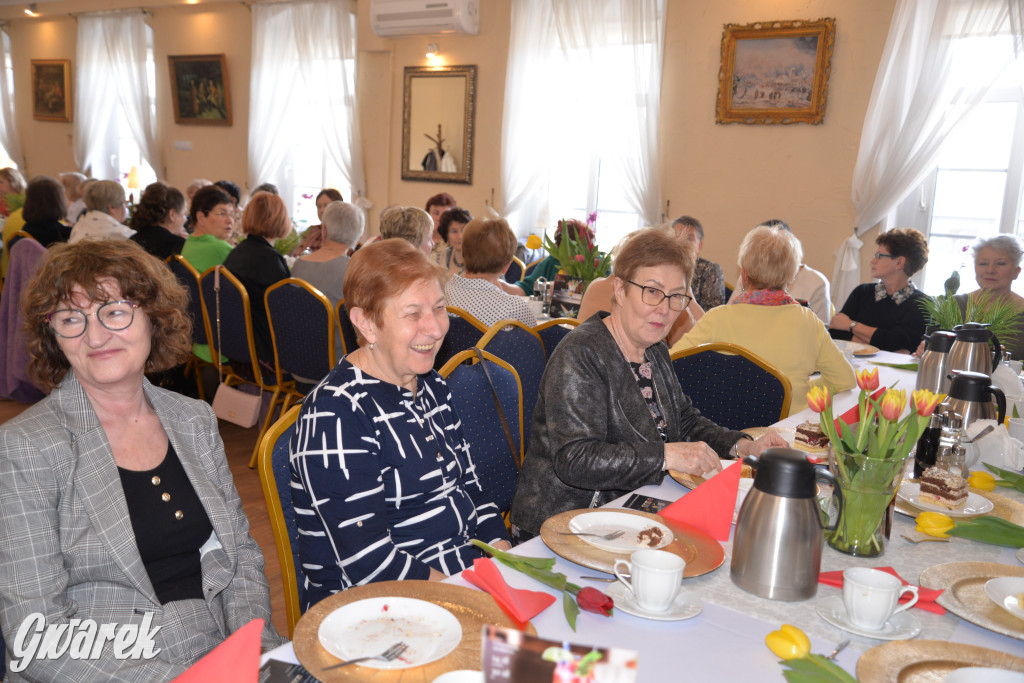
(765, 319)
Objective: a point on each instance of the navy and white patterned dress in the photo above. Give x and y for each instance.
(383, 484)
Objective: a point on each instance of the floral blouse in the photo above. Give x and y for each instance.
(642, 374)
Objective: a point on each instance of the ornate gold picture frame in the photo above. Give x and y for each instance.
(51, 90)
(437, 123)
(775, 72)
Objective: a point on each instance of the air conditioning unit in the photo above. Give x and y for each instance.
(424, 17)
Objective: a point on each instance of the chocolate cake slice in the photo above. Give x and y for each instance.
(939, 487)
(809, 434)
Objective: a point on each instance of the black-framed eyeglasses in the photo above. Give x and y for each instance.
(652, 296)
(879, 254)
(71, 322)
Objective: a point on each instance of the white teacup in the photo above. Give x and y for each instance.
(1015, 426)
(872, 597)
(655, 577)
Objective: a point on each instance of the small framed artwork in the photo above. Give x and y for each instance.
(199, 90)
(51, 89)
(775, 72)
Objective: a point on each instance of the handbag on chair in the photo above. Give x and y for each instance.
(231, 404)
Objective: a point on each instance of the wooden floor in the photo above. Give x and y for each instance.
(238, 444)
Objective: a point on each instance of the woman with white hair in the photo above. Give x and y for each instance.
(996, 266)
(107, 211)
(765, 319)
(325, 268)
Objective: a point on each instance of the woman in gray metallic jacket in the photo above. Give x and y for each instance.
(611, 416)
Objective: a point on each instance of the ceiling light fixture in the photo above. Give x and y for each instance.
(432, 50)
(31, 10)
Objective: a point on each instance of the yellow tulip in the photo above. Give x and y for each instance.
(533, 242)
(934, 524)
(788, 642)
(893, 403)
(925, 401)
(982, 480)
(867, 379)
(819, 398)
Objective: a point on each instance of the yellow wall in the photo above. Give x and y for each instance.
(731, 177)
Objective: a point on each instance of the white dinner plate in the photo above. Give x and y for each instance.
(1004, 591)
(369, 627)
(900, 626)
(607, 522)
(685, 606)
(910, 492)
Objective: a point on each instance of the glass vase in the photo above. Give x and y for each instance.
(868, 485)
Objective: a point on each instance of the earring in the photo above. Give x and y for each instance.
(371, 346)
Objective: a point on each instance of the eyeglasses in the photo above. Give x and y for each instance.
(223, 214)
(652, 296)
(113, 315)
(879, 254)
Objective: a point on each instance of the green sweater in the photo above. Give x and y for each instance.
(205, 252)
(547, 269)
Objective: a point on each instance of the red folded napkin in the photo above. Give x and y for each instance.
(926, 597)
(852, 416)
(710, 506)
(236, 659)
(520, 605)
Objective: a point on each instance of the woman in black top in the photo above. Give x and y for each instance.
(159, 220)
(44, 208)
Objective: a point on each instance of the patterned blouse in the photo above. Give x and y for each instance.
(383, 484)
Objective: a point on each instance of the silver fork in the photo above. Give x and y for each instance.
(389, 655)
(604, 537)
(925, 539)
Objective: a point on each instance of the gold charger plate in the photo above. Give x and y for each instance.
(471, 607)
(702, 553)
(1004, 507)
(963, 586)
(927, 661)
(865, 350)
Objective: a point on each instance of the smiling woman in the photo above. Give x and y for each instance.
(996, 267)
(116, 501)
(379, 447)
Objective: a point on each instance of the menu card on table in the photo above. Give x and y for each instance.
(511, 656)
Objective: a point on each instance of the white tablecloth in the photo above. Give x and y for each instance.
(726, 641)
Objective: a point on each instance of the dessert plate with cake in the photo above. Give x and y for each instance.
(639, 533)
(941, 491)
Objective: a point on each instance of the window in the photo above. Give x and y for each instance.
(132, 167)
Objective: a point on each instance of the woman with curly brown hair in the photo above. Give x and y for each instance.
(116, 501)
(160, 220)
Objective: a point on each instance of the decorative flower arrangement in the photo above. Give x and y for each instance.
(867, 457)
(792, 646)
(578, 256)
(574, 598)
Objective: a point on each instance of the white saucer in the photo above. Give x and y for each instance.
(685, 606)
(975, 505)
(899, 627)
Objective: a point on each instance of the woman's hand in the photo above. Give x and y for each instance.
(840, 321)
(502, 545)
(770, 440)
(691, 457)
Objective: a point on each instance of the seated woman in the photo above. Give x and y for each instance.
(887, 314)
(116, 501)
(313, 238)
(996, 266)
(258, 265)
(611, 416)
(11, 182)
(325, 268)
(436, 206)
(74, 184)
(44, 210)
(708, 282)
(213, 221)
(489, 245)
(379, 447)
(550, 266)
(453, 223)
(765, 319)
(160, 220)
(107, 210)
(413, 225)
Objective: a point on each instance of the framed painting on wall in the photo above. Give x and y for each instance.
(199, 90)
(775, 72)
(51, 89)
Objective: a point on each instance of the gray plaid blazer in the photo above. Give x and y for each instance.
(67, 548)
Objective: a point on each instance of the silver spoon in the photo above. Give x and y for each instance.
(839, 648)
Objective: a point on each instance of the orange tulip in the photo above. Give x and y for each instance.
(867, 380)
(925, 402)
(893, 403)
(819, 398)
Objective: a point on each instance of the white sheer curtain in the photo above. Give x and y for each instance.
(916, 102)
(8, 130)
(303, 76)
(111, 71)
(581, 70)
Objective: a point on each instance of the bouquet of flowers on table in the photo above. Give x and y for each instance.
(578, 255)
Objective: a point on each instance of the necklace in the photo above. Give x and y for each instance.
(456, 261)
(622, 348)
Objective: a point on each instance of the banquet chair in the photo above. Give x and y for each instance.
(474, 403)
(464, 331)
(553, 331)
(15, 382)
(302, 330)
(521, 347)
(349, 340)
(515, 270)
(732, 386)
(530, 266)
(235, 340)
(728, 292)
(275, 478)
(188, 277)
